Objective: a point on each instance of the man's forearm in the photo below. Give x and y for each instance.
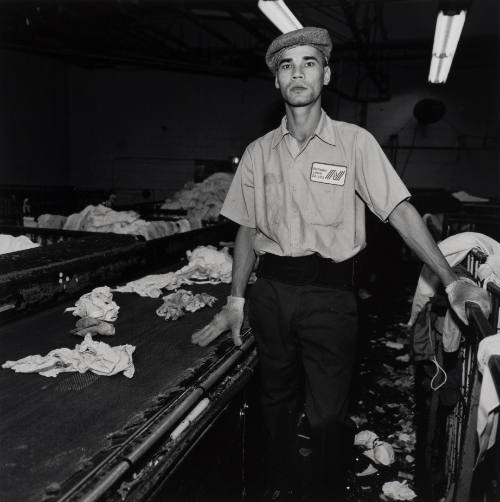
(409, 224)
(243, 260)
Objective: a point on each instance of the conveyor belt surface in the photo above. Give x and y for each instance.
(52, 426)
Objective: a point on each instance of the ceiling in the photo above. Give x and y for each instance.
(229, 37)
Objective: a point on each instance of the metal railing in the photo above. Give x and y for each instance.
(462, 422)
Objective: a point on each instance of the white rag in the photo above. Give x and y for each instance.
(489, 403)
(395, 490)
(97, 304)
(90, 355)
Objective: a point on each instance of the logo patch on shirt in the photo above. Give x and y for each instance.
(328, 173)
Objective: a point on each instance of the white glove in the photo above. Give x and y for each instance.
(230, 317)
(461, 291)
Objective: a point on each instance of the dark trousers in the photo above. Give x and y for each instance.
(306, 337)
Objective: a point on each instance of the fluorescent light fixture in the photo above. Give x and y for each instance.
(446, 36)
(280, 15)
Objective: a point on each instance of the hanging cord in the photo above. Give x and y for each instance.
(439, 368)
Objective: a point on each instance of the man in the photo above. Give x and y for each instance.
(298, 197)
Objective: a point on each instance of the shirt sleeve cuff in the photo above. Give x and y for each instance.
(237, 218)
(384, 215)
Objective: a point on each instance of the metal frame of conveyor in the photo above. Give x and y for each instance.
(35, 278)
(140, 465)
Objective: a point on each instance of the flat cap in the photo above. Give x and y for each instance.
(316, 37)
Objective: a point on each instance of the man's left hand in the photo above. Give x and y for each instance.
(461, 291)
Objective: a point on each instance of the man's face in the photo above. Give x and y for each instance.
(301, 75)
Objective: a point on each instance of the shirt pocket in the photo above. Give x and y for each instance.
(324, 204)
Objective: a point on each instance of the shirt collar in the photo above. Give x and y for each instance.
(324, 130)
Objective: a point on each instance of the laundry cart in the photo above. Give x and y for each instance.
(447, 405)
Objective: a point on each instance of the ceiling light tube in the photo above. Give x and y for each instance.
(280, 15)
(446, 36)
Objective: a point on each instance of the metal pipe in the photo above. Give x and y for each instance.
(477, 319)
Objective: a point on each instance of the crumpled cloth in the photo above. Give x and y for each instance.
(378, 451)
(10, 244)
(454, 248)
(90, 355)
(206, 265)
(97, 304)
(395, 490)
(176, 304)
(489, 402)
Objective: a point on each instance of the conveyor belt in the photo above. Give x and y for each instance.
(33, 278)
(52, 427)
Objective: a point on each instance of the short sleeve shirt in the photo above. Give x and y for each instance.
(312, 200)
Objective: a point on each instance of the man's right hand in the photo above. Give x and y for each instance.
(229, 318)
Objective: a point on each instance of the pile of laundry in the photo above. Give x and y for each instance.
(176, 304)
(455, 248)
(97, 312)
(101, 218)
(202, 200)
(11, 244)
(206, 265)
(90, 355)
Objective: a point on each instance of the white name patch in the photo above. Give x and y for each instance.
(328, 173)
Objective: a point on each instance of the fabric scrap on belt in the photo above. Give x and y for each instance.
(97, 304)
(90, 355)
(206, 265)
(176, 304)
